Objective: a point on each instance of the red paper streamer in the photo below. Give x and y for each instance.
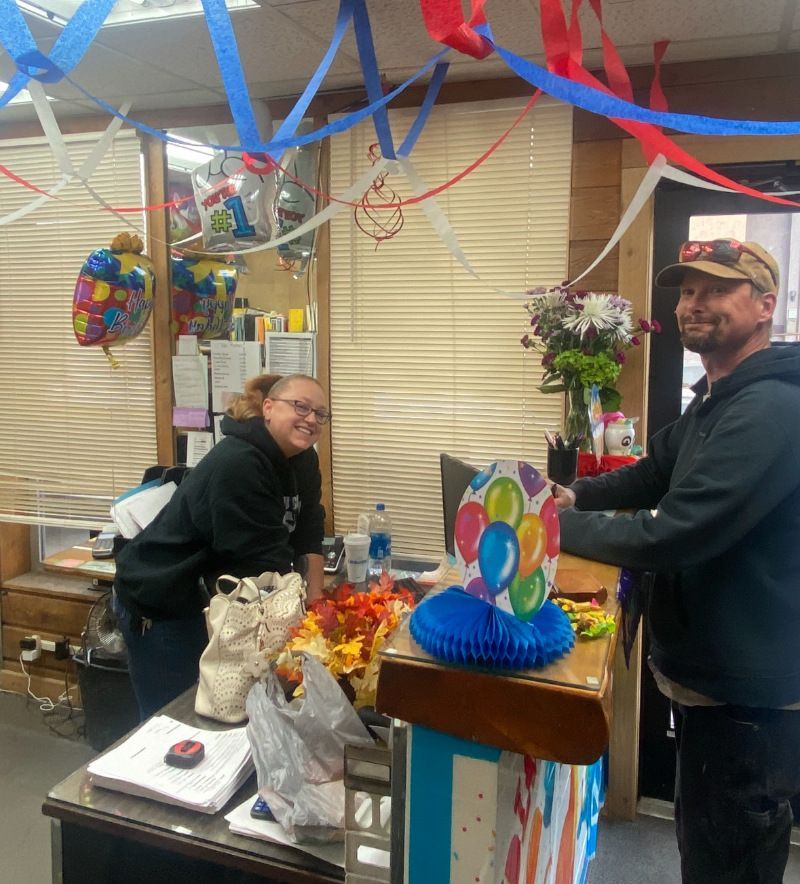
(653, 141)
(445, 22)
(9, 174)
(658, 101)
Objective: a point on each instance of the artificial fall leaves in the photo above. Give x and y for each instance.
(345, 631)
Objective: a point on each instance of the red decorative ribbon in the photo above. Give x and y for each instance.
(445, 22)
(658, 101)
(9, 174)
(653, 141)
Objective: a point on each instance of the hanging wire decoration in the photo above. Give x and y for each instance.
(369, 218)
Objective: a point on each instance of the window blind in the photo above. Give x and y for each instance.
(73, 431)
(424, 358)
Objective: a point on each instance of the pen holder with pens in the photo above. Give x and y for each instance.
(562, 465)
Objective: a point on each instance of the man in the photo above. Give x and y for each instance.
(715, 507)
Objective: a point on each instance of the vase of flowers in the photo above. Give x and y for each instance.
(582, 338)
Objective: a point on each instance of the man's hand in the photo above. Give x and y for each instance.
(563, 496)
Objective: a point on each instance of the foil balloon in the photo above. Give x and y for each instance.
(235, 205)
(507, 538)
(294, 204)
(114, 294)
(203, 292)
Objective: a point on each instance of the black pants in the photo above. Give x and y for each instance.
(738, 768)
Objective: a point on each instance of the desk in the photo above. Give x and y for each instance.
(530, 808)
(78, 561)
(560, 712)
(106, 837)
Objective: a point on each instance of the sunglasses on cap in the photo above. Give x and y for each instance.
(721, 251)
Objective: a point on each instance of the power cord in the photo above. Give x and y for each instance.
(45, 703)
(55, 709)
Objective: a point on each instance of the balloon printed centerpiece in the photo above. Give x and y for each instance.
(507, 543)
(507, 538)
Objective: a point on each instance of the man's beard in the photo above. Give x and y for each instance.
(700, 342)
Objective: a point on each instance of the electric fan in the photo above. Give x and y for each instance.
(102, 634)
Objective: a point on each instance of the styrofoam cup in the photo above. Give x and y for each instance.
(356, 553)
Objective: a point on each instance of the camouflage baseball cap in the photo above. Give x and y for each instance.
(727, 259)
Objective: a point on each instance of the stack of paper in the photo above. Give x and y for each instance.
(137, 767)
(241, 823)
(133, 511)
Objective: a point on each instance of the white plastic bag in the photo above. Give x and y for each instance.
(298, 750)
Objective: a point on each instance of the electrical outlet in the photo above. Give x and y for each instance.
(63, 649)
(30, 648)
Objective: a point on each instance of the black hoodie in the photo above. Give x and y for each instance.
(724, 481)
(244, 509)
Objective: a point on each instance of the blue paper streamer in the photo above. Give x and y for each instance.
(597, 102)
(289, 126)
(372, 79)
(276, 146)
(223, 39)
(439, 73)
(67, 51)
(458, 627)
(15, 36)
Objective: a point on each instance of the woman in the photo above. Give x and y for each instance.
(252, 504)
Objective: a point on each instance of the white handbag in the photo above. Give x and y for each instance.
(246, 627)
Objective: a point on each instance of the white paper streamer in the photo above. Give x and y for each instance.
(640, 198)
(683, 177)
(441, 225)
(59, 148)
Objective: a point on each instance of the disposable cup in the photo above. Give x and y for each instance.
(356, 554)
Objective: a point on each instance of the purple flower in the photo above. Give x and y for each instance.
(644, 325)
(619, 358)
(537, 331)
(524, 340)
(591, 332)
(635, 341)
(548, 358)
(656, 326)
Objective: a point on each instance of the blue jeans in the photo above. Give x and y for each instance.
(738, 769)
(163, 658)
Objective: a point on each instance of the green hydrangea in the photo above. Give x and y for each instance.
(573, 365)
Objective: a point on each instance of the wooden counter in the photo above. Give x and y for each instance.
(560, 712)
(78, 561)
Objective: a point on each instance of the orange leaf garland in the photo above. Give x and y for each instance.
(345, 631)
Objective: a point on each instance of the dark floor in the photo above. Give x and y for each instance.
(33, 759)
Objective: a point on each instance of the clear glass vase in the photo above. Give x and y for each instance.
(577, 421)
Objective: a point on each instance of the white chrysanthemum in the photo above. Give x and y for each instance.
(546, 302)
(600, 312)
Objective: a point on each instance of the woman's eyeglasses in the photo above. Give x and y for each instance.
(303, 410)
(722, 251)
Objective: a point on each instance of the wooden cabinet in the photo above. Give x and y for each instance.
(37, 602)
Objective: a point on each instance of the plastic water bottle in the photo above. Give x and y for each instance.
(380, 541)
